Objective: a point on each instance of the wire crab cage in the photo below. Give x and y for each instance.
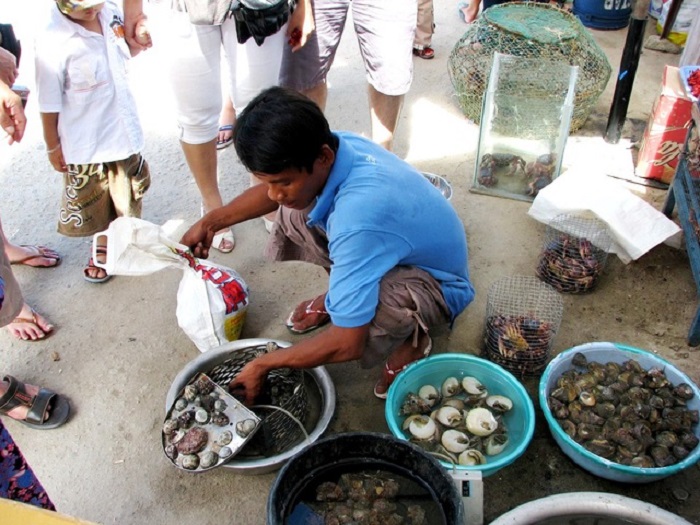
(529, 30)
(575, 253)
(523, 315)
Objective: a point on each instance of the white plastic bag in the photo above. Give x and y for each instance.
(635, 226)
(212, 300)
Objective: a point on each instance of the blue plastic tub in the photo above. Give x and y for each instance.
(520, 421)
(617, 353)
(603, 14)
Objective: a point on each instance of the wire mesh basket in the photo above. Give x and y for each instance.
(284, 388)
(532, 30)
(523, 315)
(574, 254)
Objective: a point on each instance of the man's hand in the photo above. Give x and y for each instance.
(248, 384)
(57, 161)
(12, 117)
(198, 239)
(137, 36)
(8, 67)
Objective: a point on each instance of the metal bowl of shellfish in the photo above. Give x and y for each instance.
(440, 183)
(469, 413)
(621, 413)
(318, 405)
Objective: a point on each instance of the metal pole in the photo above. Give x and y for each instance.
(628, 69)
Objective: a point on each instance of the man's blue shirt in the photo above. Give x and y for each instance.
(379, 212)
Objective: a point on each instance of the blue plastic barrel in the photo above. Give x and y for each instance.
(603, 14)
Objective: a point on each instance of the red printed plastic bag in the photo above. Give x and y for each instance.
(212, 300)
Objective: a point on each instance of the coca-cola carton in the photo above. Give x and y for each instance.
(666, 129)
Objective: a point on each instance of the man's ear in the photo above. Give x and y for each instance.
(327, 156)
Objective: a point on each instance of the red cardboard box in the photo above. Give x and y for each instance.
(666, 130)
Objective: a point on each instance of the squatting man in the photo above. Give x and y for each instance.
(393, 247)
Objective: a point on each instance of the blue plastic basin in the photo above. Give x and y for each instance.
(617, 353)
(520, 421)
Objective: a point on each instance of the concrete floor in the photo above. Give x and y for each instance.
(118, 347)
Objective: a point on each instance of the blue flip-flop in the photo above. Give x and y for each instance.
(221, 144)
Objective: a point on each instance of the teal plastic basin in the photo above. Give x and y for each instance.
(604, 352)
(520, 421)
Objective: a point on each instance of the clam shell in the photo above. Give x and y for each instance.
(201, 416)
(225, 452)
(208, 459)
(245, 427)
(190, 461)
(224, 438)
(190, 392)
(181, 404)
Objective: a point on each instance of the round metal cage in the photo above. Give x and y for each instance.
(533, 30)
(574, 254)
(523, 315)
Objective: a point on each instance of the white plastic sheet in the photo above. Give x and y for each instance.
(634, 225)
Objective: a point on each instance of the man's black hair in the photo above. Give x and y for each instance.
(281, 129)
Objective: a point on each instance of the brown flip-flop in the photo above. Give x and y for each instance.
(32, 321)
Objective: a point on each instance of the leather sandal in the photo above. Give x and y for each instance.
(426, 53)
(44, 401)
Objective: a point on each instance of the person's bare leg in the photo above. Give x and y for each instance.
(471, 11)
(201, 159)
(318, 94)
(384, 114)
(227, 117)
(29, 325)
(406, 353)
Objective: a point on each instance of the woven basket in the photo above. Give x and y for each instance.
(284, 388)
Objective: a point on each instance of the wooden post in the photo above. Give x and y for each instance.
(628, 70)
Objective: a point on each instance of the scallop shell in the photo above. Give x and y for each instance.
(201, 416)
(245, 427)
(190, 392)
(190, 461)
(208, 459)
(224, 438)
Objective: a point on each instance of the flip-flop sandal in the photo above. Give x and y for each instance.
(218, 241)
(221, 144)
(101, 250)
(426, 53)
(42, 253)
(32, 321)
(16, 395)
(308, 310)
(389, 374)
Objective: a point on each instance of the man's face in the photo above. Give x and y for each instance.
(297, 189)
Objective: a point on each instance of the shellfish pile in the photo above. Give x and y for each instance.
(624, 413)
(571, 264)
(460, 421)
(366, 498)
(519, 343)
(206, 426)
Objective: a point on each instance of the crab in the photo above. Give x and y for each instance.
(539, 173)
(492, 162)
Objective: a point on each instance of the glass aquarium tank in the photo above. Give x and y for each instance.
(525, 122)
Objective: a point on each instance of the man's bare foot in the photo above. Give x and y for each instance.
(29, 325)
(399, 359)
(308, 315)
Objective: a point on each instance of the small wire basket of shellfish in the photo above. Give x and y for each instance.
(574, 254)
(282, 406)
(523, 315)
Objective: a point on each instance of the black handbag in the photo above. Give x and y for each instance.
(260, 23)
(9, 41)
